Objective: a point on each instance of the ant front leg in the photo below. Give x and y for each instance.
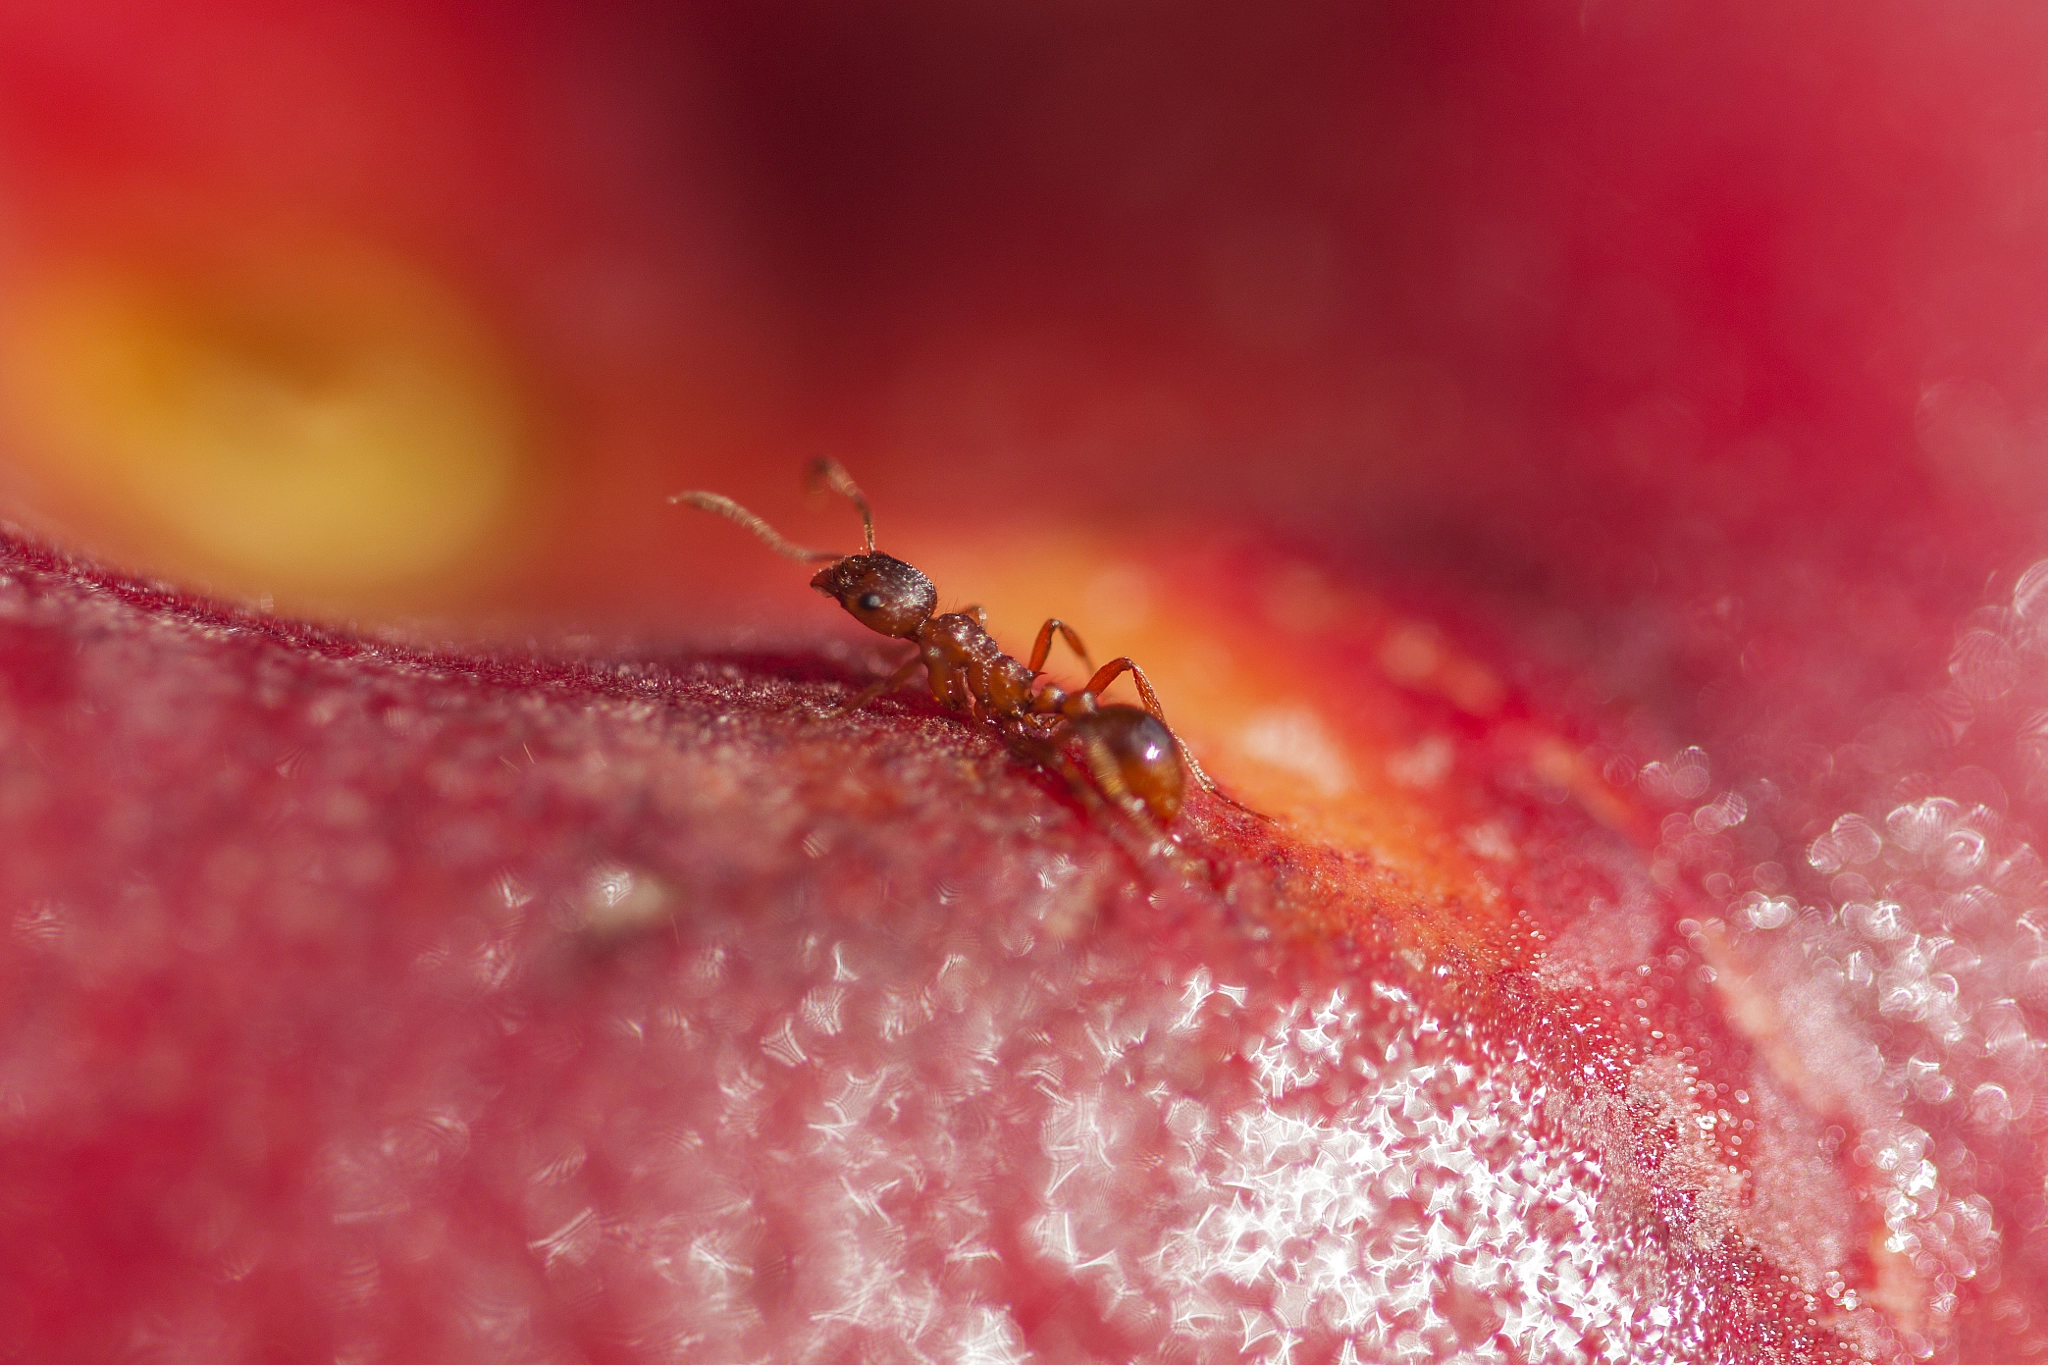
(1042, 647)
(888, 684)
(1115, 669)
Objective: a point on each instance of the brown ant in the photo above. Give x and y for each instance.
(1129, 756)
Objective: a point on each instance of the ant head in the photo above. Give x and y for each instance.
(881, 592)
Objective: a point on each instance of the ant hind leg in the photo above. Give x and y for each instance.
(1097, 783)
(1042, 647)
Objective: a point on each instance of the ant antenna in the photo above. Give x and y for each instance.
(725, 507)
(826, 472)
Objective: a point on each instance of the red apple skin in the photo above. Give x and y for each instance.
(394, 1005)
(1695, 355)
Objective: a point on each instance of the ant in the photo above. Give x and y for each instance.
(1129, 756)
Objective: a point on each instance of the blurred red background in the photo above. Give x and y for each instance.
(1570, 289)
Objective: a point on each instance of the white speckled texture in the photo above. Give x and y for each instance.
(377, 1006)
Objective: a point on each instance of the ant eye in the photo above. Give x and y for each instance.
(870, 601)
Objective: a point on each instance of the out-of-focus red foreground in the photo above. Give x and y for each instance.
(387, 1005)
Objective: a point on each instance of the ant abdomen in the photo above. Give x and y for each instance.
(1132, 757)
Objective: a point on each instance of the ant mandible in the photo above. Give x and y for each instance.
(1129, 757)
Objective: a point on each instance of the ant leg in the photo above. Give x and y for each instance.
(888, 684)
(1096, 783)
(1046, 754)
(964, 698)
(1043, 646)
(1107, 777)
(1115, 669)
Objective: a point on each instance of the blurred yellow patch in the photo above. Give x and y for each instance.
(308, 418)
